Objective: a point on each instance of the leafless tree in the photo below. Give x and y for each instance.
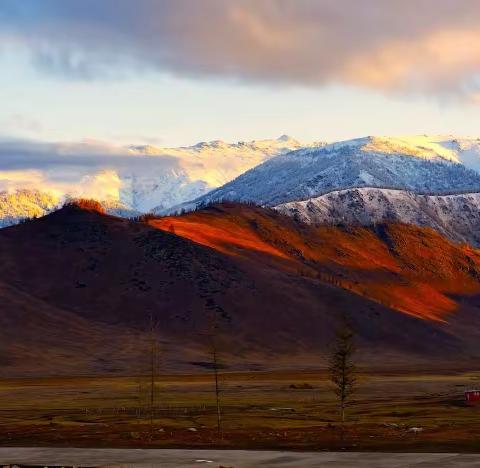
(147, 389)
(213, 339)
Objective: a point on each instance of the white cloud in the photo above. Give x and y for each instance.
(87, 169)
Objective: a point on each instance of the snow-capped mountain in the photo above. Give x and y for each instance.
(337, 181)
(421, 163)
(36, 177)
(25, 204)
(456, 216)
(196, 170)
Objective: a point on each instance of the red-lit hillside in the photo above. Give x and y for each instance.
(413, 270)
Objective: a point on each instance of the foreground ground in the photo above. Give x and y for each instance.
(231, 458)
(396, 412)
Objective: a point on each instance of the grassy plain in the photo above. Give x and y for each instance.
(295, 410)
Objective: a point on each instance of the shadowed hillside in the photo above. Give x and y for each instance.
(78, 288)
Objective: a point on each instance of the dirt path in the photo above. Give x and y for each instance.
(229, 458)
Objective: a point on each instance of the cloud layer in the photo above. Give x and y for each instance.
(91, 169)
(428, 46)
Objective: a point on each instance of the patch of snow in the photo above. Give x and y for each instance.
(456, 216)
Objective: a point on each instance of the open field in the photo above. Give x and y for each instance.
(260, 410)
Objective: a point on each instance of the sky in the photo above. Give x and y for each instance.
(175, 72)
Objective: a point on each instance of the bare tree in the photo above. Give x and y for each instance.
(342, 368)
(152, 353)
(215, 364)
(214, 335)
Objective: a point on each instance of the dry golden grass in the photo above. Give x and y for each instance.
(260, 410)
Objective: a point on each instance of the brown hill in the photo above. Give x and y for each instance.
(78, 288)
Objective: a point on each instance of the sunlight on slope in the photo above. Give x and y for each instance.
(423, 146)
(412, 270)
(225, 236)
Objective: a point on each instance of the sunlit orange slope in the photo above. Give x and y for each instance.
(413, 270)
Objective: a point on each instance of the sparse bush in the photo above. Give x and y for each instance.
(301, 386)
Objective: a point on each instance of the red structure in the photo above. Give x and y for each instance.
(472, 396)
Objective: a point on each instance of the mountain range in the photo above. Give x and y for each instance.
(422, 180)
(381, 232)
(38, 178)
(420, 164)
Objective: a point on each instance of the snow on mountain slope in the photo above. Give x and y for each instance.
(420, 163)
(35, 177)
(24, 204)
(142, 176)
(465, 151)
(456, 216)
(198, 169)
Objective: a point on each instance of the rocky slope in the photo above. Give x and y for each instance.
(456, 216)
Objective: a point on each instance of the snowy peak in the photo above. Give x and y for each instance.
(421, 146)
(417, 163)
(185, 173)
(270, 147)
(428, 147)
